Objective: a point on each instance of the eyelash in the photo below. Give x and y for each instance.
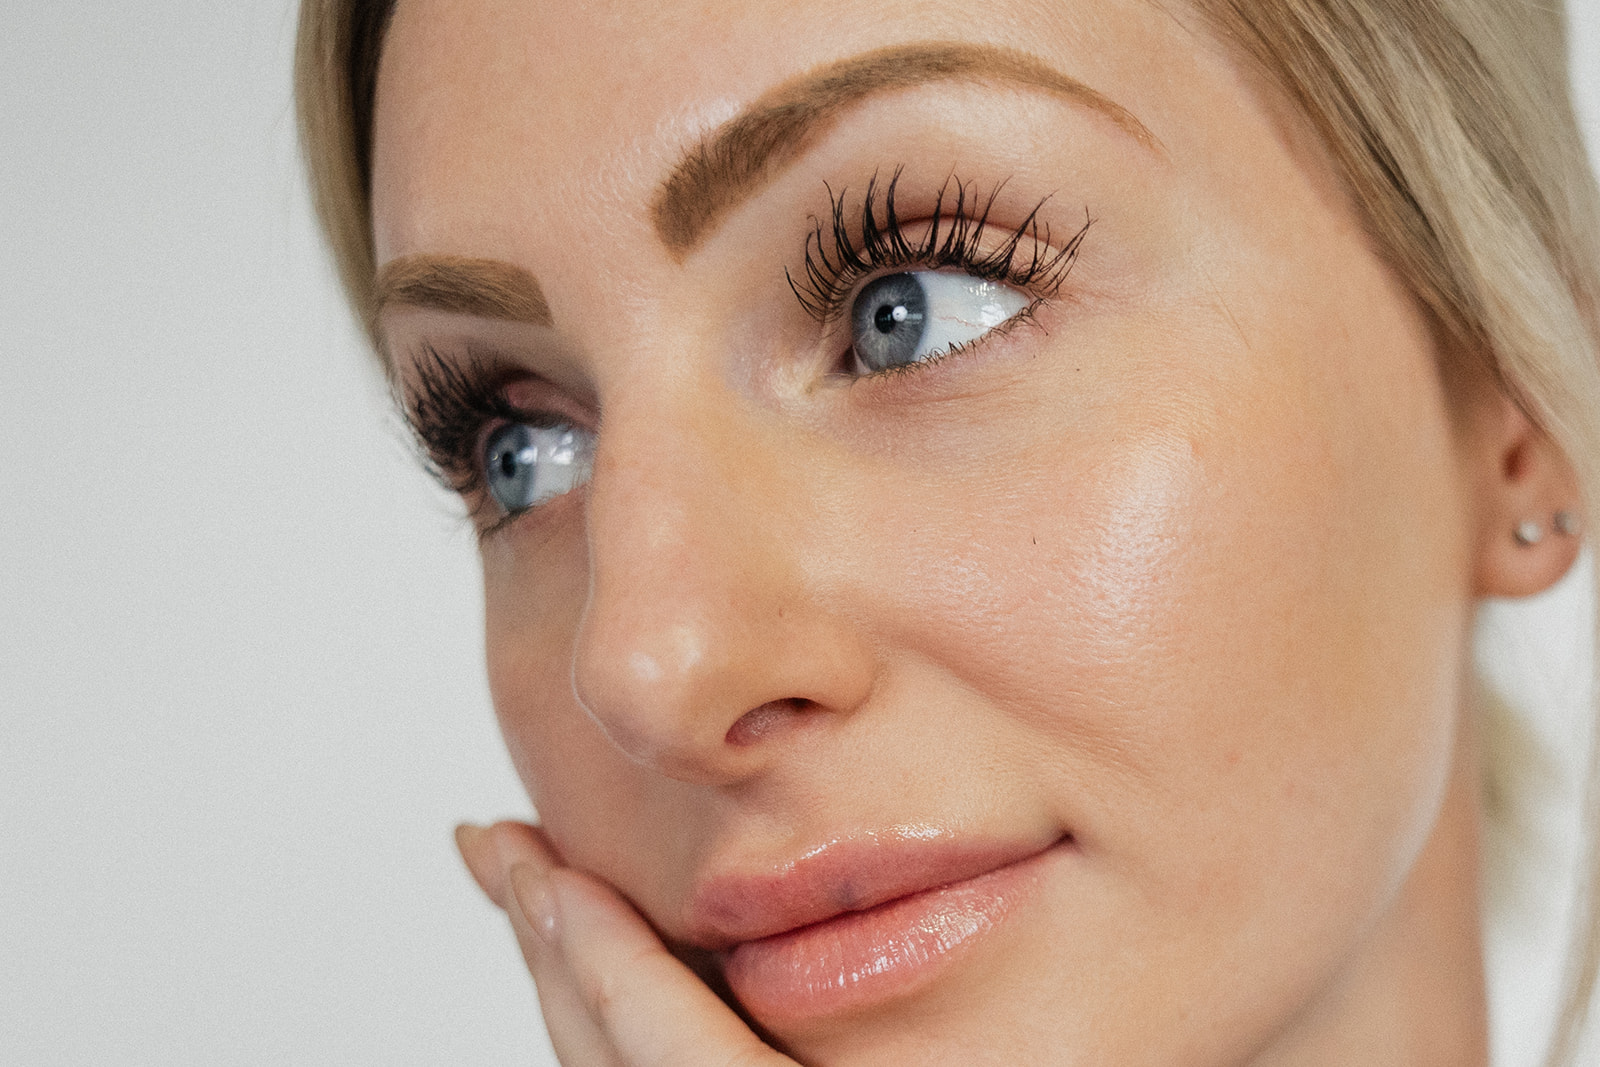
(954, 239)
(449, 407)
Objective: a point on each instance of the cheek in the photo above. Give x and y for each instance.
(1225, 627)
(535, 580)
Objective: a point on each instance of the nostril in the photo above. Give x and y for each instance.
(756, 723)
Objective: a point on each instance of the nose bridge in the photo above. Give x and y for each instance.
(698, 609)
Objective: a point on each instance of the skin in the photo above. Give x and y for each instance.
(1185, 568)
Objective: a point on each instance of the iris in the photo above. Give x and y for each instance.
(526, 465)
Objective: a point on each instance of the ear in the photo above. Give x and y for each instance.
(1527, 504)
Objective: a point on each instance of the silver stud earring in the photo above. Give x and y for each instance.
(1529, 533)
(1566, 523)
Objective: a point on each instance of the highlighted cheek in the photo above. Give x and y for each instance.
(1126, 578)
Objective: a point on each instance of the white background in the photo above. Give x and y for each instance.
(241, 702)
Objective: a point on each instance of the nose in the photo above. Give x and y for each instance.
(708, 630)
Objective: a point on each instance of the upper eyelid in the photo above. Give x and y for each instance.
(490, 372)
(548, 353)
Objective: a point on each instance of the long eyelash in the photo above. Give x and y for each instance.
(955, 238)
(447, 408)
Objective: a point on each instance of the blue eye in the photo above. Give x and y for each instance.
(526, 465)
(901, 319)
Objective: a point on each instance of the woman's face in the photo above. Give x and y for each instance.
(1137, 616)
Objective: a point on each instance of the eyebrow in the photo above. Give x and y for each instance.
(748, 151)
(734, 162)
(489, 288)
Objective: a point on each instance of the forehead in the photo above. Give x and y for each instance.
(498, 120)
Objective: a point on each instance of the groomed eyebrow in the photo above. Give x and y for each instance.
(745, 153)
(489, 288)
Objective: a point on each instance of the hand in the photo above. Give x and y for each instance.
(611, 993)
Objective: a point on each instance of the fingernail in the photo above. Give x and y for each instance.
(538, 904)
(467, 836)
(469, 843)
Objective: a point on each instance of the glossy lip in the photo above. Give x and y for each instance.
(860, 920)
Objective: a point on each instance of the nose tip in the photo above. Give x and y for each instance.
(680, 698)
(643, 692)
(702, 611)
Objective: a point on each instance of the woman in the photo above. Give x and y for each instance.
(982, 508)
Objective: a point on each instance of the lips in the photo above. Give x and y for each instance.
(860, 921)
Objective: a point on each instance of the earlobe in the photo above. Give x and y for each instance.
(1528, 525)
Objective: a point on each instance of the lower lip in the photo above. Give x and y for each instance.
(863, 959)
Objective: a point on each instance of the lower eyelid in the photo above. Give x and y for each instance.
(490, 522)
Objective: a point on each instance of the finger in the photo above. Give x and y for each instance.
(652, 1008)
(491, 851)
(576, 1037)
(470, 843)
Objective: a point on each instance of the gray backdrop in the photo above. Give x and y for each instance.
(241, 702)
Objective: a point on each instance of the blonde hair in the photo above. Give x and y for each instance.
(1452, 124)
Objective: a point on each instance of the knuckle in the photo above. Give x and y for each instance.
(608, 991)
(601, 996)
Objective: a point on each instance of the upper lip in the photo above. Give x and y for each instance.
(845, 874)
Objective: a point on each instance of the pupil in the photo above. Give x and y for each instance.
(508, 463)
(885, 319)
